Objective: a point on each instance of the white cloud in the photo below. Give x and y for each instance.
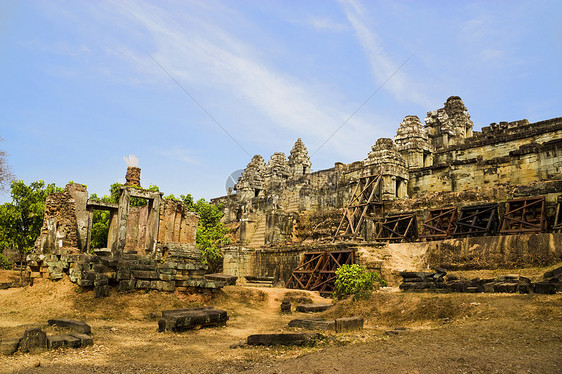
(178, 154)
(382, 65)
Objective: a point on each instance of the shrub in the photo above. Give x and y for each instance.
(357, 281)
(5, 263)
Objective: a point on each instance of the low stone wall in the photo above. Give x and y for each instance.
(277, 263)
(486, 252)
(493, 252)
(176, 268)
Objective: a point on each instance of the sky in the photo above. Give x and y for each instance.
(194, 89)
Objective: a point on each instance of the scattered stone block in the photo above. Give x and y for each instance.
(9, 346)
(126, 285)
(286, 306)
(33, 340)
(227, 279)
(101, 291)
(85, 340)
(313, 308)
(283, 339)
(63, 341)
(349, 324)
(192, 318)
(314, 324)
(545, 288)
(80, 327)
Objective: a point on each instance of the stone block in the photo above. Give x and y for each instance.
(489, 287)
(523, 287)
(286, 306)
(314, 324)
(227, 279)
(283, 339)
(544, 288)
(123, 274)
(126, 285)
(72, 324)
(85, 340)
(191, 318)
(166, 277)
(9, 346)
(169, 286)
(101, 291)
(156, 285)
(33, 340)
(349, 324)
(313, 308)
(143, 284)
(144, 274)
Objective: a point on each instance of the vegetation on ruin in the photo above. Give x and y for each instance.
(211, 232)
(5, 263)
(22, 219)
(354, 280)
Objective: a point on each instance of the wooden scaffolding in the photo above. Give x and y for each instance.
(366, 200)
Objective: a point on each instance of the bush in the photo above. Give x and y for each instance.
(5, 263)
(357, 281)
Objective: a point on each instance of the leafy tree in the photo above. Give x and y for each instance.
(22, 219)
(211, 232)
(357, 281)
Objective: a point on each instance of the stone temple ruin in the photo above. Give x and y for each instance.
(440, 193)
(461, 199)
(148, 247)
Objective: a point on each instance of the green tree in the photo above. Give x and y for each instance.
(211, 232)
(22, 219)
(357, 281)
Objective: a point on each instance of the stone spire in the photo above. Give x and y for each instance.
(412, 142)
(299, 162)
(385, 159)
(450, 124)
(251, 182)
(277, 171)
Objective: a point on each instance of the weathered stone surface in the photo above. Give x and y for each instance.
(74, 325)
(228, 279)
(85, 340)
(286, 306)
(33, 340)
(349, 324)
(192, 318)
(101, 291)
(283, 339)
(545, 288)
(313, 324)
(313, 308)
(9, 346)
(63, 341)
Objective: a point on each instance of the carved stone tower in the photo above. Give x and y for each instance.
(413, 143)
(449, 125)
(299, 162)
(385, 159)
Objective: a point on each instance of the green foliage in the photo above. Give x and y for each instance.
(21, 220)
(357, 281)
(5, 263)
(211, 232)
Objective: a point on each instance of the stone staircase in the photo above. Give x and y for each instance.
(293, 206)
(258, 239)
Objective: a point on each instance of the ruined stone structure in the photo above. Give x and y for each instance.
(149, 247)
(441, 163)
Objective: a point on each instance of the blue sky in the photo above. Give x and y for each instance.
(83, 85)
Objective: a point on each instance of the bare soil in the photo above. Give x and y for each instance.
(460, 333)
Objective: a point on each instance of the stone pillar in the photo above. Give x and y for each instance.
(132, 177)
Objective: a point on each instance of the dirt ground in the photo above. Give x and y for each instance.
(457, 333)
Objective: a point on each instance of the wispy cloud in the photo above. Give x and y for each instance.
(382, 65)
(178, 154)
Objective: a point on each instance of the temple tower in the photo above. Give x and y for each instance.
(299, 162)
(413, 143)
(385, 159)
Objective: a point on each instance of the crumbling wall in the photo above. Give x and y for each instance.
(60, 228)
(177, 224)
